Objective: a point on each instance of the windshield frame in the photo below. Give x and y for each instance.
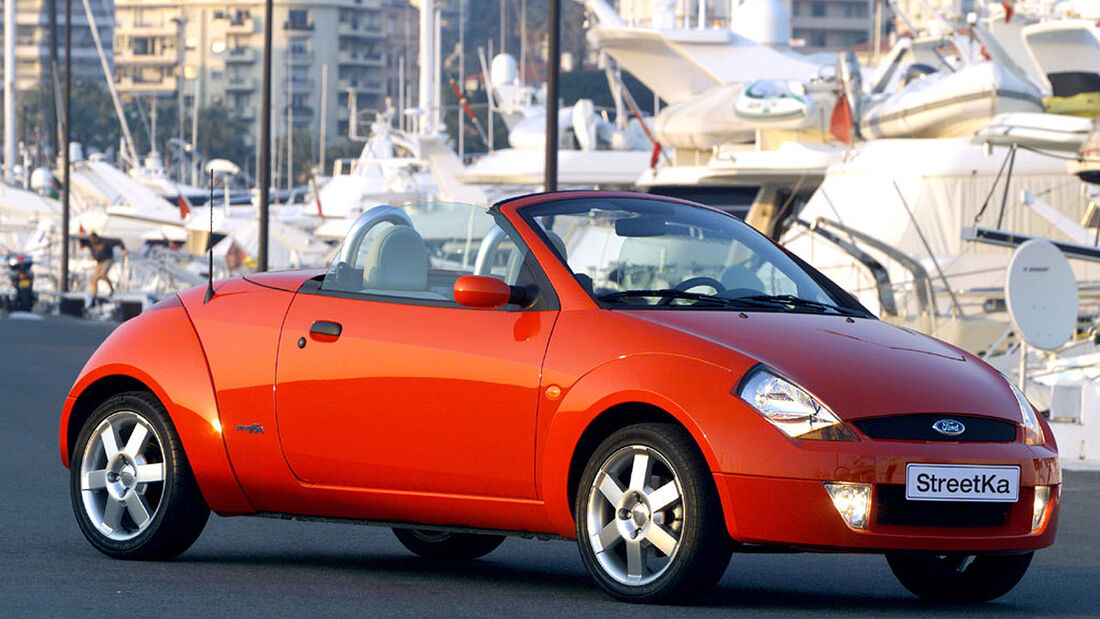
(743, 233)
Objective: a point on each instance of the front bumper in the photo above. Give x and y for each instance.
(796, 510)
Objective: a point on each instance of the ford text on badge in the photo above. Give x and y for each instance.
(950, 482)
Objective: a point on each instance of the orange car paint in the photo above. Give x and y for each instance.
(161, 351)
(464, 382)
(534, 381)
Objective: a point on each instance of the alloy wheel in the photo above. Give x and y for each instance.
(122, 476)
(635, 515)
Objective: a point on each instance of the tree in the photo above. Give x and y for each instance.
(94, 123)
(305, 156)
(223, 134)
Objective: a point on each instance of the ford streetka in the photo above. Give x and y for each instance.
(650, 377)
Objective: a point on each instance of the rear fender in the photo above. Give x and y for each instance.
(160, 351)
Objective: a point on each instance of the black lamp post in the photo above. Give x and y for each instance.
(265, 136)
(553, 67)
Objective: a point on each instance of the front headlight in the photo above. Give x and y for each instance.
(1033, 432)
(791, 408)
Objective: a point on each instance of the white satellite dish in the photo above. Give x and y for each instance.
(1041, 295)
(223, 166)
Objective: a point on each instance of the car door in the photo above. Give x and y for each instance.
(410, 393)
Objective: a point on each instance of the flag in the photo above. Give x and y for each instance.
(840, 124)
(185, 206)
(236, 257)
(174, 246)
(1010, 9)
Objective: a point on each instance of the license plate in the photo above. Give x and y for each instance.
(961, 482)
(25, 283)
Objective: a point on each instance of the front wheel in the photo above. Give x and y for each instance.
(649, 523)
(960, 579)
(132, 489)
(445, 545)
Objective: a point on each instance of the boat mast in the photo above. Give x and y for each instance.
(324, 115)
(427, 65)
(132, 153)
(9, 91)
(153, 135)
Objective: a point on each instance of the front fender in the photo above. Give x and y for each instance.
(694, 392)
(161, 351)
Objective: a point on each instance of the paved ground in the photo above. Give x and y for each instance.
(252, 566)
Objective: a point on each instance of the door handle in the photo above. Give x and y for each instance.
(325, 327)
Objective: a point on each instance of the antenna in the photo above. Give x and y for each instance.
(210, 245)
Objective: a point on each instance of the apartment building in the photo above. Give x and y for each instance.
(32, 41)
(212, 52)
(401, 37)
(823, 25)
(815, 25)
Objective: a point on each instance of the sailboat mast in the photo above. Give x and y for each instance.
(9, 91)
(427, 53)
(132, 154)
(153, 135)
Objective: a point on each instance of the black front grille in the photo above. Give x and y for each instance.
(919, 428)
(893, 508)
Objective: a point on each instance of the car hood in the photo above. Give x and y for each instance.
(858, 368)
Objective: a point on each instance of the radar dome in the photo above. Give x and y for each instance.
(503, 71)
(764, 21)
(42, 180)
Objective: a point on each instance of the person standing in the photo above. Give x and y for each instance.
(103, 252)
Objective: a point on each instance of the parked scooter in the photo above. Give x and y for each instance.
(22, 280)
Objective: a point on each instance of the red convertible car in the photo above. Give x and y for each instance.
(650, 377)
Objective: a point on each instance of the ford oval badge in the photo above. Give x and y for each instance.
(949, 427)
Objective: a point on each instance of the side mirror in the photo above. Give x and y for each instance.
(481, 292)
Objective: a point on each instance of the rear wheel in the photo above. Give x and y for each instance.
(649, 523)
(446, 545)
(132, 489)
(964, 579)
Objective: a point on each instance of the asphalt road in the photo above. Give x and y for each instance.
(253, 566)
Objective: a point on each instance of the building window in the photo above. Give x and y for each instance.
(855, 38)
(818, 39)
(855, 10)
(298, 19)
(817, 9)
(142, 46)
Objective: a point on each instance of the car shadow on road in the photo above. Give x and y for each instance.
(486, 570)
(754, 598)
(561, 583)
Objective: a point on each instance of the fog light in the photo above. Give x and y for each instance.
(852, 501)
(1041, 511)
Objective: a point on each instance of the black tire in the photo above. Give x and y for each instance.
(959, 579)
(644, 521)
(156, 518)
(444, 545)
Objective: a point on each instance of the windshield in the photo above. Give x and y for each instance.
(637, 252)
